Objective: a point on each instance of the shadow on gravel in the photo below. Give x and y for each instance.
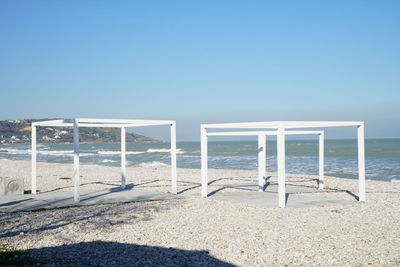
(98, 253)
(84, 218)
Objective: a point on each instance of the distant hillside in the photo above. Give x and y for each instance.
(19, 132)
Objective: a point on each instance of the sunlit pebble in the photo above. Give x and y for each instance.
(267, 236)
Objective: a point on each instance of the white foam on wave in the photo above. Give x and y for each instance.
(50, 153)
(163, 150)
(17, 151)
(153, 164)
(108, 152)
(86, 154)
(395, 180)
(55, 152)
(119, 152)
(108, 161)
(191, 156)
(68, 153)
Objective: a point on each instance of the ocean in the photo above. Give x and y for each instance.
(382, 156)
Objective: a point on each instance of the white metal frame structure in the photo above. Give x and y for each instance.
(281, 131)
(262, 149)
(110, 123)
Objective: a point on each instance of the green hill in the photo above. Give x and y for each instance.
(19, 132)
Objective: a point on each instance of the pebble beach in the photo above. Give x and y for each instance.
(192, 231)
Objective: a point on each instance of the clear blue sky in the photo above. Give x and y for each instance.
(203, 61)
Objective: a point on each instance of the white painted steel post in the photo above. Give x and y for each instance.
(265, 157)
(123, 157)
(76, 160)
(361, 162)
(281, 167)
(173, 159)
(33, 151)
(204, 161)
(321, 161)
(261, 162)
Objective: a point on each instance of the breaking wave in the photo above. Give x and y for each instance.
(108, 161)
(164, 150)
(119, 152)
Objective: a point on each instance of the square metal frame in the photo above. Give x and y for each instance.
(76, 123)
(280, 128)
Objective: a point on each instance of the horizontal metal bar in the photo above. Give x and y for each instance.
(255, 133)
(303, 132)
(67, 123)
(283, 124)
(87, 120)
(46, 123)
(250, 133)
(149, 124)
(101, 125)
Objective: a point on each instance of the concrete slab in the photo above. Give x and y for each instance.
(49, 200)
(296, 196)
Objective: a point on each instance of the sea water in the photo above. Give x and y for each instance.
(382, 156)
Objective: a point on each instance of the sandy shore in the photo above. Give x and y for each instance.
(196, 231)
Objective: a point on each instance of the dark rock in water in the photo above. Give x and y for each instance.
(3, 151)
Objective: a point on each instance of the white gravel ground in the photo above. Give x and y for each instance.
(196, 231)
